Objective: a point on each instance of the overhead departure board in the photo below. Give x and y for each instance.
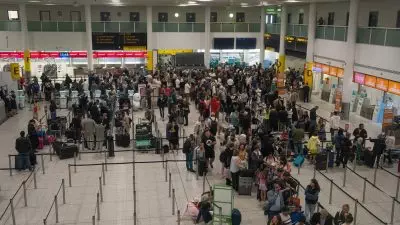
(117, 41)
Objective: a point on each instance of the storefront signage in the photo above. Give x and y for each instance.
(15, 73)
(340, 72)
(74, 54)
(387, 118)
(394, 87)
(173, 51)
(325, 69)
(359, 78)
(382, 84)
(119, 54)
(328, 70)
(27, 61)
(370, 81)
(333, 71)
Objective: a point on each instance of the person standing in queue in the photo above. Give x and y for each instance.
(188, 148)
(208, 143)
(306, 91)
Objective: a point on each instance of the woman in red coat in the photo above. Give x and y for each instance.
(215, 106)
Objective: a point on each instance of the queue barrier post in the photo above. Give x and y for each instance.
(75, 162)
(10, 165)
(344, 176)
(101, 189)
(392, 213)
(355, 212)
(63, 190)
(56, 207)
(375, 173)
(166, 171)
(179, 217)
(364, 190)
(169, 185)
(25, 197)
(12, 211)
(34, 179)
(397, 188)
(173, 201)
(42, 160)
(103, 173)
(69, 176)
(98, 206)
(330, 191)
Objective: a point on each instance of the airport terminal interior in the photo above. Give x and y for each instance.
(222, 112)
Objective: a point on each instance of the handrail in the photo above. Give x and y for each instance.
(383, 28)
(331, 26)
(54, 203)
(354, 199)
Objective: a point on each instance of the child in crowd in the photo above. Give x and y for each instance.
(262, 175)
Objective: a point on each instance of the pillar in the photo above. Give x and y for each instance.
(312, 25)
(149, 27)
(89, 43)
(24, 27)
(207, 35)
(348, 85)
(261, 36)
(282, 57)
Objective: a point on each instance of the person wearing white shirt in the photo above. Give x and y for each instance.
(187, 91)
(334, 123)
(177, 84)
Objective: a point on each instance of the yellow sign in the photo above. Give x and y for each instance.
(173, 51)
(281, 63)
(27, 61)
(308, 74)
(150, 60)
(15, 73)
(134, 48)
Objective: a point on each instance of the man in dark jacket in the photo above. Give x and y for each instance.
(379, 147)
(188, 148)
(24, 148)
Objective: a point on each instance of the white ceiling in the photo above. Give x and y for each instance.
(163, 2)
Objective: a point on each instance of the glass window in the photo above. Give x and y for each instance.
(191, 17)
(373, 19)
(44, 15)
(105, 16)
(331, 18)
(301, 18)
(13, 15)
(75, 16)
(289, 18)
(214, 17)
(398, 19)
(240, 17)
(162, 17)
(134, 16)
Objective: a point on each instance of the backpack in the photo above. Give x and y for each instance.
(186, 146)
(236, 217)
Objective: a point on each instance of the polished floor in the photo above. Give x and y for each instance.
(153, 204)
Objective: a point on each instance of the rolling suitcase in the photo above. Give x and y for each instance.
(41, 143)
(202, 167)
(320, 161)
(245, 185)
(122, 140)
(369, 158)
(236, 217)
(68, 151)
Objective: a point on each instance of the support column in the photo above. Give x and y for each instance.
(207, 36)
(282, 57)
(149, 27)
(25, 43)
(24, 27)
(312, 25)
(261, 36)
(89, 44)
(348, 84)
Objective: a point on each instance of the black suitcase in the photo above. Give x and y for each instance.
(68, 151)
(110, 146)
(57, 145)
(202, 166)
(369, 158)
(246, 173)
(122, 140)
(70, 134)
(320, 161)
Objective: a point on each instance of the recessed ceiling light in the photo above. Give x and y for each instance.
(34, 1)
(49, 4)
(244, 4)
(292, 1)
(183, 5)
(176, 15)
(230, 15)
(204, 0)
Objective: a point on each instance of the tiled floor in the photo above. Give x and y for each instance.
(154, 207)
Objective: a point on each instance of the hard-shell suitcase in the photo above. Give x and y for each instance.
(245, 185)
(320, 161)
(68, 151)
(41, 143)
(369, 158)
(122, 140)
(202, 166)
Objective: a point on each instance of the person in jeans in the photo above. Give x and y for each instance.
(188, 148)
(24, 148)
(162, 103)
(298, 136)
(235, 169)
(311, 193)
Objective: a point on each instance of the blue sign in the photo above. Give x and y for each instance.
(64, 54)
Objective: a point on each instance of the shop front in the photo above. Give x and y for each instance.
(56, 64)
(375, 96)
(238, 57)
(327, 82)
